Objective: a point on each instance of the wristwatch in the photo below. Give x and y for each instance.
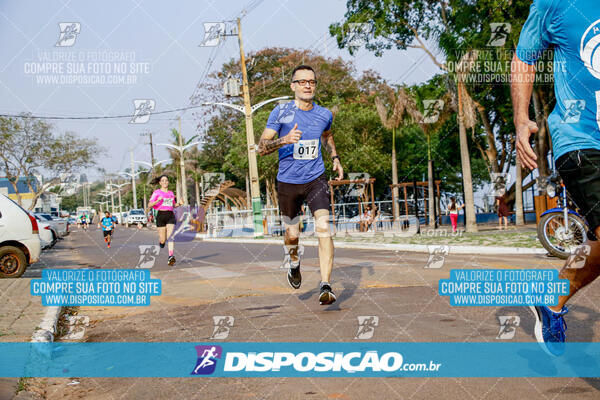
(334, 157)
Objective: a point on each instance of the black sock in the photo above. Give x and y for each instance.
(162, 245)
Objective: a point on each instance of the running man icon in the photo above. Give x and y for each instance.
(207, 359)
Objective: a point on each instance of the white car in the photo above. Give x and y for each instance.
(47, 238)
(59, 226)
(19, 239)
(135, 217)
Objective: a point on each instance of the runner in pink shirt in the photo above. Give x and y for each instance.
(163, 200)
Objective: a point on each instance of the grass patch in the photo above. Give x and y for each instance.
(22, 385)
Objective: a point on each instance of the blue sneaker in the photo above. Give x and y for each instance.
(550, 329)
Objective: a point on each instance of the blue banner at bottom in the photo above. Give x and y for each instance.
(298, 359)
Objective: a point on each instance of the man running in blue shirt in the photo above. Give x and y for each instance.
(568, 27)
(297, 129)
(108, 225)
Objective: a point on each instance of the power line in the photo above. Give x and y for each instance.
(96, 117)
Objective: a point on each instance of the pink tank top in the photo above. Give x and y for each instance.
(167, 200)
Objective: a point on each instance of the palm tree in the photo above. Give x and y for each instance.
(466, 119)
(175, 165)
(408, 108)
(391, 119)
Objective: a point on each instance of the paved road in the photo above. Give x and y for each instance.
(245, 281)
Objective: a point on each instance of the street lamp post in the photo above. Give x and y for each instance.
(248, 110)
(107, 193)
(102, 202)
(132, 176)
(119, 186)
(181, 148)
(112, 200)
(152, 165)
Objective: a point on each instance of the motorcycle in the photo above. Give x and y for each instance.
(561, 229)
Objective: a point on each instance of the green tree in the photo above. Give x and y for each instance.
(29, 148)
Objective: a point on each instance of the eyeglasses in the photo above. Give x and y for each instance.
(303, 82)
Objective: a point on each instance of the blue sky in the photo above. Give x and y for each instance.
(163, 37)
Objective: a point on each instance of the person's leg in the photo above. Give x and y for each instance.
(580, 277)
(505, 223)
(500, 222)
(580, 172)
(168, 233)
(325, 243)
(291, 239)
(290, 200)
(162, 235)
(317, 196)
(290, 204)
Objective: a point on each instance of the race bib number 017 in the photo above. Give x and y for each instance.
(167, 202)
(306, 149)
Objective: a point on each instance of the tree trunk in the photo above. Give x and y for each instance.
(430, 190)
(520, 217)
(14, 184)
(430, 184)
(394, 176)
(466, 166)
(268, 193)
(178, 184)
(197, 188)
(271, 193)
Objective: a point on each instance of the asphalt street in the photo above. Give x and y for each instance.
(245, 284)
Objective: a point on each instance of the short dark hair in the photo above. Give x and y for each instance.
(301, 67)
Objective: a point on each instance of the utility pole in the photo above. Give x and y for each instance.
(252, 166)
(112, 199)
(182, 167)
(151, 149)
(133, 180)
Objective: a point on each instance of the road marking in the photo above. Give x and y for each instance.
(212, 272)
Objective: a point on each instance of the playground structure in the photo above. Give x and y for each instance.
(367, 194)
(416, 187)
(389, 215)
(227, 194)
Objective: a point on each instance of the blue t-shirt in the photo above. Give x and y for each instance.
(569, 27)
(107, 223)
(301, 162)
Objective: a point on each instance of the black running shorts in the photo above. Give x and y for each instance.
(291, 196)
(580, 172)
(107, 233)
(164, 218)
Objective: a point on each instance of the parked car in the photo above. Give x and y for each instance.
(19, 239)
(47, 238)
(135, 217)
(58, 225)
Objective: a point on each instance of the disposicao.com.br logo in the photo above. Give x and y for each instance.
(277, 363)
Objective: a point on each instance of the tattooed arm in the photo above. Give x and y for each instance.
(329, 144)
(269, 144)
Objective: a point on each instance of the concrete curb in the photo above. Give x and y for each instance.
(419, 248)
(47, 328)
(44, 334)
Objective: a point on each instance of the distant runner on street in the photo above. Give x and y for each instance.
(298, 129)
(107, 224)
